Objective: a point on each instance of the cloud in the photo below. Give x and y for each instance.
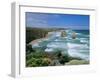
(56, 20)
(38, 19)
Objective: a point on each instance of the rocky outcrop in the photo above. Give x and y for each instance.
(77, 62)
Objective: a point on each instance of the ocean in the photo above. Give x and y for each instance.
(78, 47)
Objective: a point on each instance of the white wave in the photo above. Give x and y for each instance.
(76, 53)
(79, 34)
(57, 40)
(48, 50)
(78, 50)
(76, 46)
(58, 34)
(55, 34)
(57, 45)
(84, 40)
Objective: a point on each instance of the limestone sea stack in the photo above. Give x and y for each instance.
(73, 35)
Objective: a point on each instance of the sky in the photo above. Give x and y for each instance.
(53, 20)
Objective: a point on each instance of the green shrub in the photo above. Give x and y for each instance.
(30, 61)
(46, 62)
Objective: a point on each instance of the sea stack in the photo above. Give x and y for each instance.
(63, 34)
(73, 35)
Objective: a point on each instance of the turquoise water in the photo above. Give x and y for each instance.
(78, 47)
